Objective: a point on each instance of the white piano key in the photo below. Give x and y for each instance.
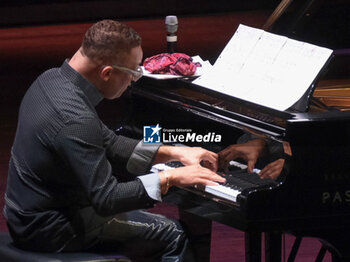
(238, 164)
(243, 166)
(223, 192)
(160, 167)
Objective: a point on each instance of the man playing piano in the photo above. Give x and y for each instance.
(63, 190)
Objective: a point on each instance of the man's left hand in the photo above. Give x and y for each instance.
(188, 156)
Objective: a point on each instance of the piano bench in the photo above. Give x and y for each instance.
(10, 253)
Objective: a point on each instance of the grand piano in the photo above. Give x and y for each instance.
(312, 195)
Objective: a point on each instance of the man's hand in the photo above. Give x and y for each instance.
(249, 151)
(272, 170)
(187, 156)
(192, 175)
(197, 155)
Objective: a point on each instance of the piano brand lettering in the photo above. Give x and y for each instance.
(336, 175)
(335, 197)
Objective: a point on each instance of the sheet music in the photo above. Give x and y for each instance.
(265, 68)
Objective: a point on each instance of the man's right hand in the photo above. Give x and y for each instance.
(192, 175)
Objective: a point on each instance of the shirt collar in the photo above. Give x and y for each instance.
(80, 81)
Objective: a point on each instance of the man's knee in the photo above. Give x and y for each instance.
(171, 230)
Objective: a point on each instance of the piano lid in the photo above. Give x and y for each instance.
(320, 22)
(214, 105)
(324, 23)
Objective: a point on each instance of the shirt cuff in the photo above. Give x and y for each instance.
(141, 158)
(151, 182)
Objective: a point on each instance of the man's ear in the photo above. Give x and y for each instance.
(106, 72)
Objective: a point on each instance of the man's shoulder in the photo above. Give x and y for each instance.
(60, 94)
(48, 79)
(49, 73)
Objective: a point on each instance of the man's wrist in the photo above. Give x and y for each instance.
(166, 154)
(164, 182)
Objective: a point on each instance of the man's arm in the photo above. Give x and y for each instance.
(119, 149)
(81, 146)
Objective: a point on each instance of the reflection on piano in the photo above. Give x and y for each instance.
(312, 198)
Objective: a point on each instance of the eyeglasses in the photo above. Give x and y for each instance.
(136, 74)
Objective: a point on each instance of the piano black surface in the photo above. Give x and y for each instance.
(313, 199)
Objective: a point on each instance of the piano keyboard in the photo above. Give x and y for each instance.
(237, 179)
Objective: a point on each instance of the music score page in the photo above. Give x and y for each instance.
(265, 68)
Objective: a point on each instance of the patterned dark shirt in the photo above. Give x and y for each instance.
(64, 158)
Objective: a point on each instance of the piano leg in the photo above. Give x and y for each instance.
(273, 242)
(252, 246)
(199, 233)
(272, 246)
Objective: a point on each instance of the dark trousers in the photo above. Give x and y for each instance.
(141, 235)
